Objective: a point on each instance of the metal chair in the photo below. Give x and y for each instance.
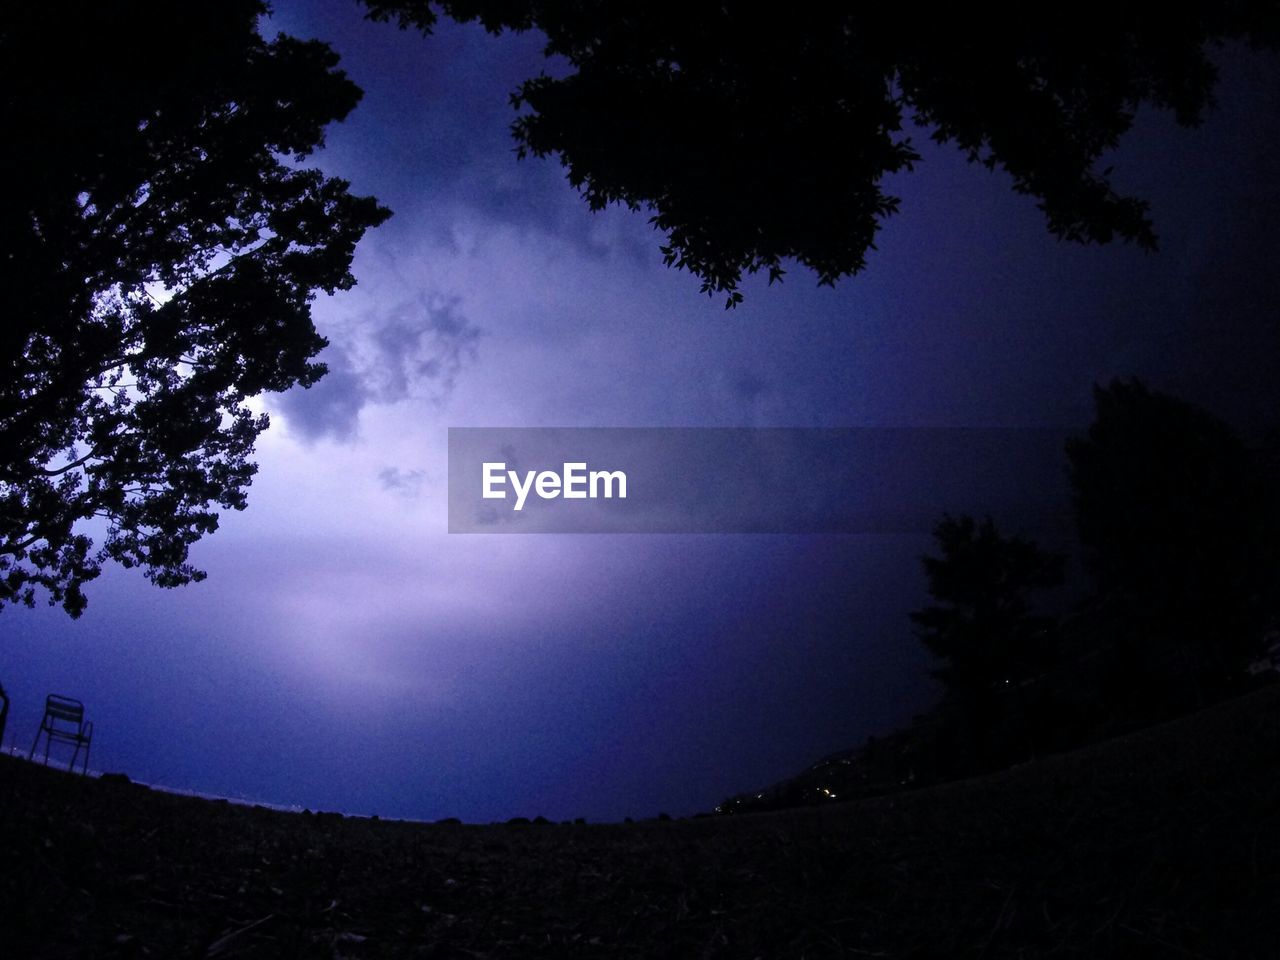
(64, 721)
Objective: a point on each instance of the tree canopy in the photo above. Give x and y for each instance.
(989, 639)
(758, 135)
(982, 626)
(1180, 526)
(162, 246)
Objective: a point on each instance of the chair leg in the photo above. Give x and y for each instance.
(35, 743)
(85, 770)
(71, 767)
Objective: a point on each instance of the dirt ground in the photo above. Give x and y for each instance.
(1162, 844)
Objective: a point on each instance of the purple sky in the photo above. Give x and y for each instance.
(346, 653)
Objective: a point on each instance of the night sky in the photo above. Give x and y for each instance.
(347, 654)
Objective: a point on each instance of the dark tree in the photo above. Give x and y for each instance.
(991, 642)
(982, 626)
(161, 248)
(1179, 523)
(758, 134)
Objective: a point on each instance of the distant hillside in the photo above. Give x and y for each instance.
(907, 759)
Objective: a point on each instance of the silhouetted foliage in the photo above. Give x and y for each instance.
(984, 629)
(983, 626)
(160, 252)
(759, 134)
(1180, 529)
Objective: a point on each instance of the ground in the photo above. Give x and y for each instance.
(1165, 843)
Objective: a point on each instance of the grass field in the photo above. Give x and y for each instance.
(1165, 843)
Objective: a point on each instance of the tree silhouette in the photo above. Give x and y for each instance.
(1180, 529)
(982, 626)
(985, 632)
(161, 247)
(758, 134)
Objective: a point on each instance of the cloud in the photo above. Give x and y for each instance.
(414, 350)
(748, 386)
(407, 483)
(331, 406)
(419, 348)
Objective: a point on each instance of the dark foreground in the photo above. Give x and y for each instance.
(1163, 844)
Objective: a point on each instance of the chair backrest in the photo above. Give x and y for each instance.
(57, 708)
